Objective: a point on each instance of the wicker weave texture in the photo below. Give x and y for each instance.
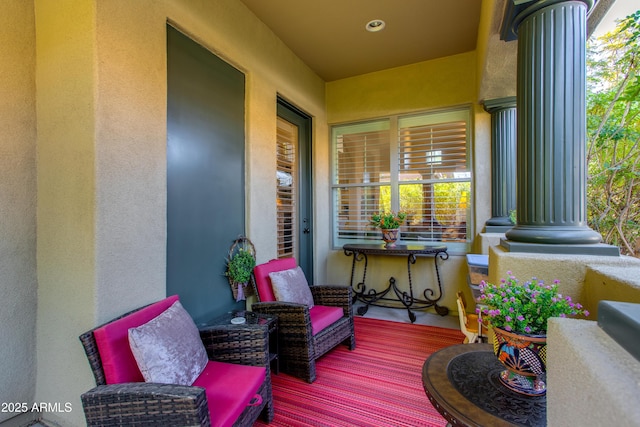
(150, 404)
(298, 347)
(146, 404)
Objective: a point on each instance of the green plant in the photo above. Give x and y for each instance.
(388, 221)
(240, 266)
(524, 307)
(513, 216)
(613, 135)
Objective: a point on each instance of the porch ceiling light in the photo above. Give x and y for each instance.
(375, 25)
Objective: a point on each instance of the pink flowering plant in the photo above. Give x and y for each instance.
(524, 307)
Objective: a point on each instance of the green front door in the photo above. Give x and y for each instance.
(205, 174)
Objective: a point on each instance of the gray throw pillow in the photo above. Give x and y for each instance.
(168, 348)
(291, 286)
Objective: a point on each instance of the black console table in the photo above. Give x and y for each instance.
(371, 297)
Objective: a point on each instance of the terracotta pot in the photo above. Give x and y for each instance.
(390, 236)
(525, 357)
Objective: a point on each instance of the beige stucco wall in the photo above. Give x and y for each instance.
(591, 379)
(18, 285)
(586, 278)
(101, 105)
(497, 59)
(440, 83)
(612, 281)
(65, 81)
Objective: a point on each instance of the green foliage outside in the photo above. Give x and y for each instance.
(613, 132)
(454, 199)
(451, 201)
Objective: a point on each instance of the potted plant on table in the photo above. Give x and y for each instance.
(389, 223)
(518, 313)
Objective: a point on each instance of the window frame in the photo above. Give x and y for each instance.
(462, 113)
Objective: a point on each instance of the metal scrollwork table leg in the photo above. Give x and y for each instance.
(407, 299)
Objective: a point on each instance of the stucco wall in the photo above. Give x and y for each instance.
(439, 83)
(586, 278)
(612, 281)
(497, 59)
(101, 106)
(591, 379)
(65, 41)
(18, 285)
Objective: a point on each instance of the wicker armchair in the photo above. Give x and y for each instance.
(147, 404)
(301, 340)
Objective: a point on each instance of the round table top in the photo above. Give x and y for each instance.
(462, 382)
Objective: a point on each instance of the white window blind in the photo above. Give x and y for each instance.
(362, 159)
(286, 188)
(423, 170)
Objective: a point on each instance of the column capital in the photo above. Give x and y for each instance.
(493, 105)
(517, 10)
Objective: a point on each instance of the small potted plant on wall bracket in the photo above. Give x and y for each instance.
(240, 263)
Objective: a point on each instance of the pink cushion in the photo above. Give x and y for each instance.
(323, 316)
(229, 389)
(263, 282)
(112, 340)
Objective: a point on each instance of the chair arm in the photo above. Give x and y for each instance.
(145, 404)
(333, 295)
(237, 344)
(293, 319)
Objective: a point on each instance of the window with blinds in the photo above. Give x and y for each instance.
(286, 188)
(417, 164)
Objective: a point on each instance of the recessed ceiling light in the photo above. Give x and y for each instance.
(375, 25)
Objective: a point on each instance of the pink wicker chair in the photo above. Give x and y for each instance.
(122, 398)
(305, 334)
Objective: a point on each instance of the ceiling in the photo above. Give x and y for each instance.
(330, 36)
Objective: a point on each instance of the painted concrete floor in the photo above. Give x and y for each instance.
(429, 317)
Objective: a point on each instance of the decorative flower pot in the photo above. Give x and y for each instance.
(525, 357)
(390, 236)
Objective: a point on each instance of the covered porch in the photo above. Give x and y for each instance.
(84, 199)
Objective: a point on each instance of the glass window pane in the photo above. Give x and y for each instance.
(430, 177)
(355, 205)
(361, 153)
(434, 151)
(436, 212)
